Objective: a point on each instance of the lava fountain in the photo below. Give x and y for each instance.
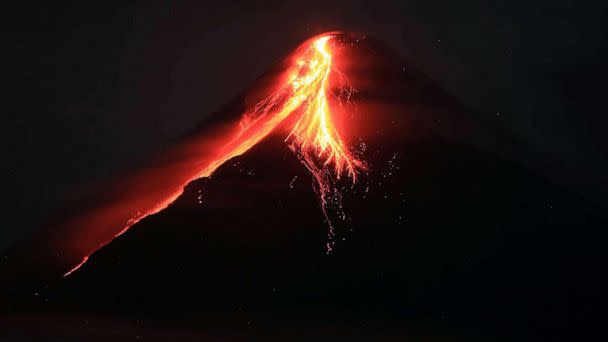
(314, 135)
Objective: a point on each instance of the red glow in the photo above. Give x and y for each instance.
(314, 136)
(77, 266)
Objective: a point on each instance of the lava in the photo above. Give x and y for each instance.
(314, 136)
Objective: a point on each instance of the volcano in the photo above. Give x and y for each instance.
(343, 189)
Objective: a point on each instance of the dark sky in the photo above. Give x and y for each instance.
(97, 87)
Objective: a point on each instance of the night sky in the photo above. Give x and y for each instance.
(96, 88)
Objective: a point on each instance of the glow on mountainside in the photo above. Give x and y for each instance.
(314, 136)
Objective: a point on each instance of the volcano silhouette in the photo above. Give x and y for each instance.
(443, 232)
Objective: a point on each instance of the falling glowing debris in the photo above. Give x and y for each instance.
(292, 181)
(314, 137)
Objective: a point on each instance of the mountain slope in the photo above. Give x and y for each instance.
(440, 233)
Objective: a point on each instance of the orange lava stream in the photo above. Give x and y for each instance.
(314, 135)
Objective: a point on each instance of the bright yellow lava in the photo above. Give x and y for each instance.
(314, 136)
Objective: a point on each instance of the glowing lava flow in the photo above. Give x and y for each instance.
(314, 136)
